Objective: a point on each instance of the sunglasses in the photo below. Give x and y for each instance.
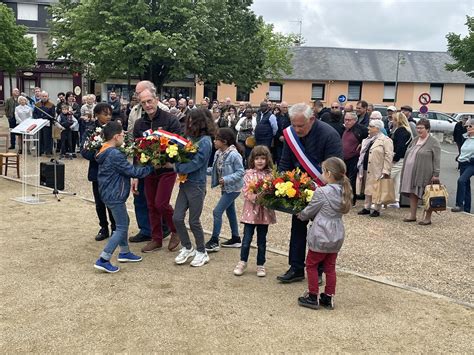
(334, 106)
(469, 126)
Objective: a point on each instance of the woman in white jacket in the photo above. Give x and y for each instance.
(22, 112)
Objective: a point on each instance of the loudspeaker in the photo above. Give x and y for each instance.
(47, 174)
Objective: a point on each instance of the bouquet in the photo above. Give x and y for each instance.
(289, 191)
(160, 147)
(95, 140)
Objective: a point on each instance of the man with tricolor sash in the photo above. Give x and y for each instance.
(308, 142)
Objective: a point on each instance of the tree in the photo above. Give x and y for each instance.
(16, 50)
(166, 40)
(462, 50)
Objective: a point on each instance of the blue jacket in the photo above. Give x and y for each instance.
(90, 154)
(320, 143)
(196, 168)
(232, 172)
(114, 175)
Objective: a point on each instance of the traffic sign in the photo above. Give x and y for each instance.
(342, 98)
(424, 98)
(424, 109)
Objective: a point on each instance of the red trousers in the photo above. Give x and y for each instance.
(329, 264)
(158, 190)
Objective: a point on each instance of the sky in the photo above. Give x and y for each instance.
(377, 24)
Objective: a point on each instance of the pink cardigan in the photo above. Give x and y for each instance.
(254, 213)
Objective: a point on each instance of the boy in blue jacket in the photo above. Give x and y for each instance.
(114, 187)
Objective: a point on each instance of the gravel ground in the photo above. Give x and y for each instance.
(436, 258)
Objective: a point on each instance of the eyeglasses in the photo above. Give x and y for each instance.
(334, 106)
(469, 126)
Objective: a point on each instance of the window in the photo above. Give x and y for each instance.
(317, 91)
(388, 92)
(28, 12)
(34, 37)
(354, 91)
(275, 91)
(242, 95)
(469, 94)
(436, 92)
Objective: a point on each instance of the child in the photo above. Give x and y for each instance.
(199, 127)
(227, 171)
(326, 234)
(114, 187)
(255, 216)
(103, 114)
(67, 121)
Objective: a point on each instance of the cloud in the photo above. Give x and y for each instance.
(391, 24)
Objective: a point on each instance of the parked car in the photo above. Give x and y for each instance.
(440, 122)
(461, 115)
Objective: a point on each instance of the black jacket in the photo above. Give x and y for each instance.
(322, 142)
(401, 140)
(324, 115)
(361, 132)
(364, 120)
(459, 130)
(283, 121)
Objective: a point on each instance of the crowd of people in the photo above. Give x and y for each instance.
(351, 149)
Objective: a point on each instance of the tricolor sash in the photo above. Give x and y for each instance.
(311, 167)
(171, 136)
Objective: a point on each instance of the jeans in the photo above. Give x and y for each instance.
(158, 190)
(249, 229)
(119, 235)
(463, 193)
(141, 209)
(190, 197)
(227, 204)
(66, 142)
(328, 260)
(101, 209)
(12, 124)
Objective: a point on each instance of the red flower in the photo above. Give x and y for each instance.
(277, 181)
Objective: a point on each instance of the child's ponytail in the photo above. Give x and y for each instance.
(346, 195)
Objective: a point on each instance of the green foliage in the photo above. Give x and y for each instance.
(16, 50)
(162, 41)
(462, 50)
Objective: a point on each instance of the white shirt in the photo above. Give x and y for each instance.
(22, 113)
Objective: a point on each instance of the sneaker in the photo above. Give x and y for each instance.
(106, 266)
(261, 271)
(375, 214)
(326, 301)
(457, 209)
(212, 246)
(309, 300)
(184, 255)
(240, 268)
(129, 258)
(138, 238)
(200, 259)
(152, 246)
(234, 242)
(102, 234)
(394, 205)
(74, 155)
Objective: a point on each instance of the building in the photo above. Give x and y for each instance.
(321, 73)
(46, 74)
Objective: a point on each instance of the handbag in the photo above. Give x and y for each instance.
(250, 142)
(384, 192)
(435, 197)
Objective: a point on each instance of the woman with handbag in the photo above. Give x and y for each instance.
(375, 163)
(420, 168)
(466, 170)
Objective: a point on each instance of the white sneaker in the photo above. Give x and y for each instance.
(240, 268)
(184, 255)
(393, 205)
(200, 259)
(261, 271)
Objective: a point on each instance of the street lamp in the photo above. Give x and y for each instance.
(400, 60)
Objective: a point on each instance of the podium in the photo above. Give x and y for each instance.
(30, 164)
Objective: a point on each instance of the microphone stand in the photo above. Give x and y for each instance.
(55, 162)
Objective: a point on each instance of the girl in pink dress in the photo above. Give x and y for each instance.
(255, 216)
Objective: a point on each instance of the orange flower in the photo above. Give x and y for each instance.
(164, 141)
(291, 174)
(304, 179)
(182, 178)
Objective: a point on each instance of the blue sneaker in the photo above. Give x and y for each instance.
(106, 266)
(129, 258)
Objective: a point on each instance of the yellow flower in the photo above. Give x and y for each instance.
(172, 151)
(291, 192)
(143, 158)
(309, 194)
(190, 147)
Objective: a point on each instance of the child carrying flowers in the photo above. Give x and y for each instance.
(326, 234)
(227, 172)
(255, 216)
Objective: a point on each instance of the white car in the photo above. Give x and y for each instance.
(439, 121)
(463, 115)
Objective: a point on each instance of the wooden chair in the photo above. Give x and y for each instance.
(6, 158)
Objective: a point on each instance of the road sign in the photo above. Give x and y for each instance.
(424, 109)
(342, 98)
(424, 98)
